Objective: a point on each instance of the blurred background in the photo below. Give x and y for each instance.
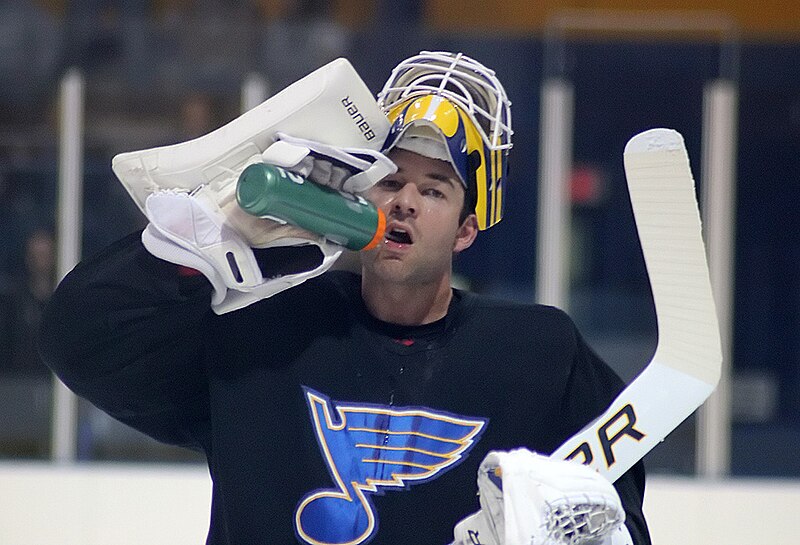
(82, 81)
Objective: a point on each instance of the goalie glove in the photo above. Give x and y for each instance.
(205, 229)
(529, 499)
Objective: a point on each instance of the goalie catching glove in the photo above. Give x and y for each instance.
(529, 499)
(205, 229)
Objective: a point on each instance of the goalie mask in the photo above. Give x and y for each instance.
(448, 106)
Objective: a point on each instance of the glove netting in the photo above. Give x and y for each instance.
(579, 521)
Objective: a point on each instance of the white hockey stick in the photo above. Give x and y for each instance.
(686, 365)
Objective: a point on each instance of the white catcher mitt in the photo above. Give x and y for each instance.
(530, 499)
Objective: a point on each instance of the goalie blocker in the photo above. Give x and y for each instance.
(327, 127)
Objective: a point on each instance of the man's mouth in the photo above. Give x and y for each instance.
(398, 235)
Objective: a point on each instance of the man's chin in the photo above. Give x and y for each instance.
(388, 270)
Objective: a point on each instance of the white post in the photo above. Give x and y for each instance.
(555, 161)
(255, 90)
(69, 230)
(720, 122)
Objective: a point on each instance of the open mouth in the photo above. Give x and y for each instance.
(398, 235)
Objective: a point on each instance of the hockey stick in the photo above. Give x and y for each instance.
(686, 365)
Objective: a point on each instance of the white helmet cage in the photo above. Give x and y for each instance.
(460, 79)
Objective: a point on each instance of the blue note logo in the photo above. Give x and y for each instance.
(369, 449)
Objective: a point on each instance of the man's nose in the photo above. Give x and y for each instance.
(406, 200)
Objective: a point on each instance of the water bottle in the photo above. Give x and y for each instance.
(268, 191)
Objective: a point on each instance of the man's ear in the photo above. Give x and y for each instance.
(466, 233)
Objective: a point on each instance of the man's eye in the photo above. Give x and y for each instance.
(435, 193)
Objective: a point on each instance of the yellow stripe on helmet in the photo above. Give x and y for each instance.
(497, 184)
(441, 113)
(498, 188)
(492, 187)
(499, 198)
(475, 143)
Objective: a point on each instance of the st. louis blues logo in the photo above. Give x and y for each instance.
(369, 448)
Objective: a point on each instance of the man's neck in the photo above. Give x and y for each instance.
(406, 304)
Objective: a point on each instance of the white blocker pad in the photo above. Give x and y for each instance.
(331, 105)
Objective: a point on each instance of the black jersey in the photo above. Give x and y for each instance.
(322, 424)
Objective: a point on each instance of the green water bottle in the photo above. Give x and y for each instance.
(268, 191)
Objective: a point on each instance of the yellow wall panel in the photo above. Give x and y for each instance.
(778, 18)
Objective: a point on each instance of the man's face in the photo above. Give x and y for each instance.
(422, 203)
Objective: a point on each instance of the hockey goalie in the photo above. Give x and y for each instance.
(339, 407)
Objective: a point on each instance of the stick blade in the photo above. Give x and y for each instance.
(662, 193)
